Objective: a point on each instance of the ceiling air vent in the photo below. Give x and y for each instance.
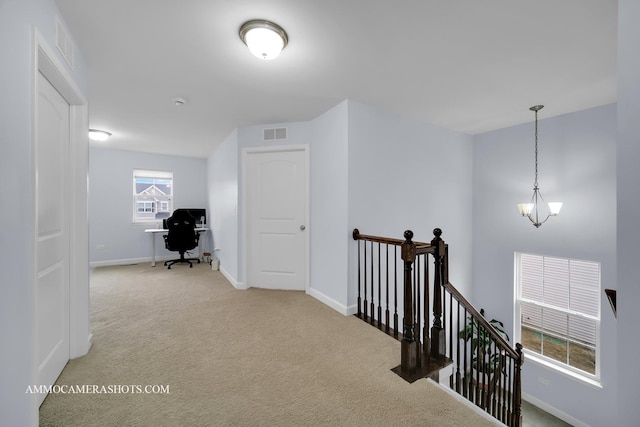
(63, 43)
(274, 134)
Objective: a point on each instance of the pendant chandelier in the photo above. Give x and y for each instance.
(537, 210)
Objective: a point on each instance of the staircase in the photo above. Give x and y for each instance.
(440, 328)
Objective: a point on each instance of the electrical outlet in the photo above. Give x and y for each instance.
(543, 380)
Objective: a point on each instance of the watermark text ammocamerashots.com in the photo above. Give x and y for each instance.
(99, 389)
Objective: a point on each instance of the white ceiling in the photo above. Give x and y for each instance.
(467, 65)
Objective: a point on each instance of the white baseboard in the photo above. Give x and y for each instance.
(128, 261)
(232, 280)
(466, 402)
(553, 411)
(340, 308)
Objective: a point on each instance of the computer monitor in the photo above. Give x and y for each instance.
(199, 214)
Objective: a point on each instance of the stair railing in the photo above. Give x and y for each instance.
(484, 369)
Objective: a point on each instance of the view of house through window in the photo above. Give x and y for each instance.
(558, 311)
(152, 195)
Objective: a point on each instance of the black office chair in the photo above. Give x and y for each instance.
(181, 237)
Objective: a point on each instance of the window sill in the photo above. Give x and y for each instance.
(533, 357)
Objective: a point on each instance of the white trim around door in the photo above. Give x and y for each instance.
(298, 227)
(47, 64)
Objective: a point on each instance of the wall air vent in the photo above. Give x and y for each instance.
(64, 43)
(275, 134)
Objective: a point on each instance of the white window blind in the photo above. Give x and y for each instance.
(558, 301)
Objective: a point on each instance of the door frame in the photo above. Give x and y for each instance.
(245, 208)
(46, 62)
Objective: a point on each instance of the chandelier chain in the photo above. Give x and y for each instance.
(535, 183)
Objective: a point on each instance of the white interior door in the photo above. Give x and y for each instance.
(52, 233)
(277, 202)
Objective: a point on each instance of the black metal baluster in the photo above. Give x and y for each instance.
(359, 282)
(510, 391)
(467, 371)
(379, 290)
(395, 291)
(450, 354)
(366, 304)
(458, 389)
(416, 298)
(426, 343)
(373, 305)
(386, 316)
(418, 302)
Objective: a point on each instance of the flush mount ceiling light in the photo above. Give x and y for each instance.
(263, 38)
(531, 209)
(99, 135)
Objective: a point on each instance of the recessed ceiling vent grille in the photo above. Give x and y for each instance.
(274, 134)
(64, 43)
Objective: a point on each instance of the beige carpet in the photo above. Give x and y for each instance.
(236, 358)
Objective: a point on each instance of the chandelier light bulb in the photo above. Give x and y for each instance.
(554, 207)
(525, 208)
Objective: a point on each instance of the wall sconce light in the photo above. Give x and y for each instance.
(263, 38)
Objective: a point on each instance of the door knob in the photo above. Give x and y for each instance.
(302, 228)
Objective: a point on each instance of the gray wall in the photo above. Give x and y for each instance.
(405, 174)
(329, 231)
(111, 202)
(628, 231)
(576, 166)
(222, 180)
(17, 20)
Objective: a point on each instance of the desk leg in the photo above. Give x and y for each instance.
(153, 249)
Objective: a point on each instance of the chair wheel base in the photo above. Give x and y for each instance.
(189, 261)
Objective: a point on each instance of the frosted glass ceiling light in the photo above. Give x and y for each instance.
(532, 209)
(263, 38)
(98, 135)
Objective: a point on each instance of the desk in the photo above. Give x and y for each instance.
(154, 231)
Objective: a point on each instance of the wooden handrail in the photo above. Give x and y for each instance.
(387, 240)
(481, 320)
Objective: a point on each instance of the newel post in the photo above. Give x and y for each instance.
(438, 342)
(356, 237)
(409, 345)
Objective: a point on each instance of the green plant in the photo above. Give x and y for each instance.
(481, 341)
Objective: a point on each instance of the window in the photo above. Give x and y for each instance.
(558, 312)
(152, 195)
(145, 207)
